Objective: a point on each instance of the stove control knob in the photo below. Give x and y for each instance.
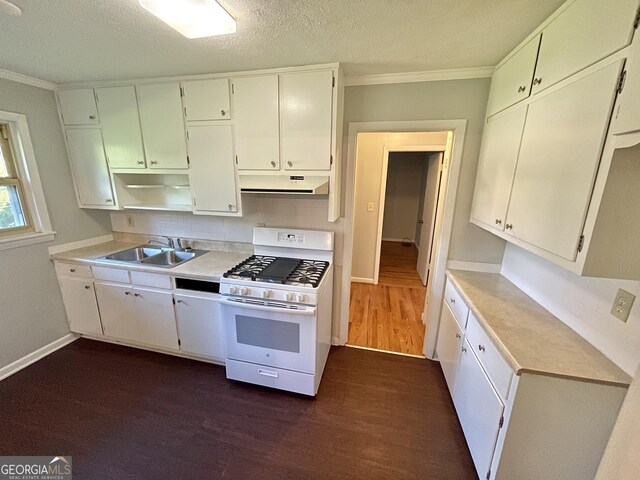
(266, 293)
(233, 290)
(244, 291)
(300, 297)
(288, 296)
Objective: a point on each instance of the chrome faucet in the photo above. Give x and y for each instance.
(169, 243)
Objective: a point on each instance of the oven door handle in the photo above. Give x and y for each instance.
(308, 311)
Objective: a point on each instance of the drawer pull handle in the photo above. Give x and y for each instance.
(458, 335)
(481, 348)
(268, 373)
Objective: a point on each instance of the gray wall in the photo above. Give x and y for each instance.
(31, 310)
(445, 100)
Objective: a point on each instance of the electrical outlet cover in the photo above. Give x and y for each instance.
(622, 305)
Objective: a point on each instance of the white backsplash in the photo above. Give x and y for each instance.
(270, 210)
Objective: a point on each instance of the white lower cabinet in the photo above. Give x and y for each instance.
(199, 325)
(156, 318)
(117, 310)
(479, 410)
(80, 303)
(449, 344)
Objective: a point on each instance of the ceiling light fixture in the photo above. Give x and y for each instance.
(10, 9)
(192, 18)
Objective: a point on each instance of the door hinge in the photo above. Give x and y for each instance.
(188, 161)
(194, 201)
(330, 159)
(333, 82)
(236, 159)
(636, 22)
(182, 91)
(174, 301)
(187, 131)
(501, 423)
(488, 474)
(233, 89)
(621, 79)
(179, 342)
(580, 243)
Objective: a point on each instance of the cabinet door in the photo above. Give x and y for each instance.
(586, 32)
(118, 312)
(200, 326)
(561, 148)
(121, 127)
(78, 107)
(479, 410)
(255, 113)
(81, 305)
(305, 120)
(511, 82)
(212, 175)
(627, 118)
(496, 167)
(156, 318)
(448, 348)
(89, 165)
(206, 100)
(162, 125)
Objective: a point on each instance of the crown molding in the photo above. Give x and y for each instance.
(413, 77)
(27, 80)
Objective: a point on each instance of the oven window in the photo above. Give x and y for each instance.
(271, 334)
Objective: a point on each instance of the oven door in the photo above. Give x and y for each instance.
(270, 335)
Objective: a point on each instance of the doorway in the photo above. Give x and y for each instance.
(397, 187)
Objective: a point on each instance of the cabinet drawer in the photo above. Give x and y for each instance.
(73, 270)
(111, 274)
(496, 367)
(151, 280)
(271, 377)
(455, 301)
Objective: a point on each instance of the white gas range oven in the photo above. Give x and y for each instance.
(276, 310)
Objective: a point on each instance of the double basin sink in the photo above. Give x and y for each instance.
(157, 257)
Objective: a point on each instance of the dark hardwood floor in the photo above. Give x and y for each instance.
(125, 414)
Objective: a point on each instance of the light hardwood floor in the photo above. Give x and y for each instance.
(387, 316)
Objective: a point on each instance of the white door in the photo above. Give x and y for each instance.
(255, 120)
(118, 312)
(587, 31)
(81, 305)
(206, 100)
(497, 166)
(511, 82)
(479, 410)
(121, 127)
(305, 120)
(78, 107)
(156, 318)
(162, 125)
(200, 325)
(212, 175)
(89, 165)
(449, 346)
(559, 157)
(429, 209)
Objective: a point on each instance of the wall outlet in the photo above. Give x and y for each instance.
(130, 221)
(370, 207)
(622, 305)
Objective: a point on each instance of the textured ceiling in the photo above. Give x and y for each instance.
(77, 40)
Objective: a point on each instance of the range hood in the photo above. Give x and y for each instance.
(288, 184)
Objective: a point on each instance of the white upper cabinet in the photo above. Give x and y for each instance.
(255, 114)
(121, 127)
(212, 175)
(561, 148)
(162, 125)
(89, 165)
(511, 82)
(586, 32)
(206, 100)
(627, 114)
(306, 120)
(496, 168)
(78, 107)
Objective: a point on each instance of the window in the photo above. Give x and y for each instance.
(23, 213)
(14, 217)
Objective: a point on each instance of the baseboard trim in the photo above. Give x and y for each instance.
(37, 355)
(398, 240)
(335, 341)
(362, 280)
(474, 267)
(385, 351)
(88, 242)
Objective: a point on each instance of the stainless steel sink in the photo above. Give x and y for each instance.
(157, 257)
(133, 254)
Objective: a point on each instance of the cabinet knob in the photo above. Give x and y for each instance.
(521, 88)
(273, 164)
(108, 200)
(223, 112)
(137, 295)
(140, 162)
(498, 221)
(453, 300)
(72, 270)
(508, 226)
(230, 207)
(464, 349)
(458, 335)
(290, 163)
(154, 162)
(179, 301)
(92, 117)
(127, 293)
(481, 348)
(87, 287)
(537, 81)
